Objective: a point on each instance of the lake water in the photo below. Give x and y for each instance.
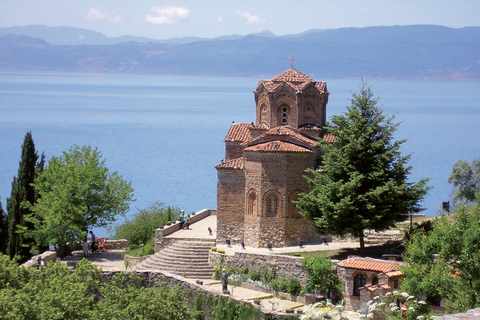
(165, 133)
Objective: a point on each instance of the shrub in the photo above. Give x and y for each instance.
(294, 286)
(141, 228)
(244, 270)
(254, 275)
(321, 275)
(213, 248)
(148, 249)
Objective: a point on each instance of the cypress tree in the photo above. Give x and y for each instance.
(22, 194)
(3, 230)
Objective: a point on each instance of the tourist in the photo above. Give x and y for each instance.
(92, 241)
(183, 218)
(224, 281)
(40, 262)
(85, 246)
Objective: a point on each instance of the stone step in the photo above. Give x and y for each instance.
(187, 250)
(175, 269)
(185, 257)
(179, 261)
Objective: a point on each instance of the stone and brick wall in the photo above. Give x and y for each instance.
(230, 204)
(287, 266)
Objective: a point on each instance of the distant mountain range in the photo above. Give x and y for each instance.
(397, 52)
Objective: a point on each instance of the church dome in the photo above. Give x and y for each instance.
(293, 76)
(294, 79)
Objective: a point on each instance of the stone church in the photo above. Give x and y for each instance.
(265, 162)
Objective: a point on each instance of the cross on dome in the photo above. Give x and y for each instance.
(292, 58)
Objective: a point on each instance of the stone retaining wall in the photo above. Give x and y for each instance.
(470, 314)
(116, 244)
(287, 266)
(152, 279)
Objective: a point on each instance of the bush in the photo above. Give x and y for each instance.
(141, 229)
(282, 284)
(254, 275)
(321, 276)
(294, 286)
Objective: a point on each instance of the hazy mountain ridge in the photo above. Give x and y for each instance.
(408, 52)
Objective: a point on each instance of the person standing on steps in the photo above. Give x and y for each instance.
(85, 246)
(225, 281)
(92, 241)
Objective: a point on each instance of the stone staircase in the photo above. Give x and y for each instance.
(183, 257)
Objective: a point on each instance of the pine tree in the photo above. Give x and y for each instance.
(23, 194)
(362, 183)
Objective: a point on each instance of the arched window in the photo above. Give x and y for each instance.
(272, 205)
(284, 112)
(263, 113)
(375, 281)
(252, 203)
(293, 211)
(358, 282)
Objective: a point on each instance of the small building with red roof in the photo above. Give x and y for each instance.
(265, 162)
(365, 278)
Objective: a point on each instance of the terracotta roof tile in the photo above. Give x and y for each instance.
(291, 75)
(329, 138)
(277, 146)
(368, 264)
(238, 132)
(288, 131)
(394, 274)
(293, 78)
(236, 163)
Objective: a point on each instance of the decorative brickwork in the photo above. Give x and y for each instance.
(265, 164)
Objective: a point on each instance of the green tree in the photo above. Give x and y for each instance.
(362, 182)
(77, 192)
(141, 228)
(465, 178)
(445, 262)
(22, 194)
(3, 230)
(321, 276)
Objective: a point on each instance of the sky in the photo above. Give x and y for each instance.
(160, 19)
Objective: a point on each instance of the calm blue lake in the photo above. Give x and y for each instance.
(165, 133)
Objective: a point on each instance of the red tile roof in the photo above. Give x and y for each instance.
(291, 75)
(295, 79)
(277, 146)
(289, 131)
(236, 163)
(238, 132)
(368, 264)
(329, 138)
(394, 274)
